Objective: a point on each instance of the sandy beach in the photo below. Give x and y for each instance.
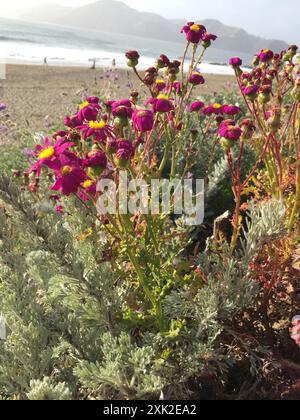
(38, 97)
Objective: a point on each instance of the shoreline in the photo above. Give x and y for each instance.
(104, 63)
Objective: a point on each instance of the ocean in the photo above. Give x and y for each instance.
(30, 43)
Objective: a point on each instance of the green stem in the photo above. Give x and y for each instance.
(173, 168)
(156, 305)
(236, 222)
(166, 152)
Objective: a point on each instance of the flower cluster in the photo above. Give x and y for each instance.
(162, 137)
(91, 143)
(196, 33)
(103, 137)
(268, 69)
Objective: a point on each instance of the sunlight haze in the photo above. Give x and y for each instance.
(269, 18)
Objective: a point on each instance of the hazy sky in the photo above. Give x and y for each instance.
(270, 18)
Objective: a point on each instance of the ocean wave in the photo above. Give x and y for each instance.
(15, 39)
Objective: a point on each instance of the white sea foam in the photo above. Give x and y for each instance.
(56, 56)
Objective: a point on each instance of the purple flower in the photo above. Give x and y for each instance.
(122, 158)
(160, 85)
(2, 107)
(122, 102)
(196, 106)
(250, 91)
(69, 175)
(99, 130)
(235, 62)
(48, 152)
(230, 132)
(88, 188)
(207, 39)
(59, 209)
(132, 55)
(177, 86)
(122, 111)
(161, 104)
(196, 78)
(72, 122)
(93, 100)
(96, 159)
(211, 109)
(194, 32)
(265, 56)
(126, 145)
(143, 120)
(231, 109)
(88, 111)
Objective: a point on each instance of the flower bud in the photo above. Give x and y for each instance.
(149, 79)
(206, 44)
(160, 64)
(165, 60)
(248, 129)
(286, 57)
(133, 58)
(134, 97)
(196, 78)
(265, 94)
(120, 122)
(227, 144)
(251, 91)
(122, 158)
(235, 62)
(293, 50)
(274, 121)
(112, 146)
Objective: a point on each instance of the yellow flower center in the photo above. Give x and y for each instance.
(88, 183)
(163, 97)
(66, 170)
(160, 82)
(195, 28)
(266, 51)
(217, 106)
(97, 125)
(47, 153)
(197, 73)
(84, 104)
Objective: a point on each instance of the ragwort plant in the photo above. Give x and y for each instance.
(183, 316)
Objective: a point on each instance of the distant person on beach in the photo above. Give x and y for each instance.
(45, 61)
(94, 64)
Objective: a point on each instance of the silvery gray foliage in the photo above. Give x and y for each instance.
(265, 223)
(220, 171)
(57, 296)
(46, 390)
(126, 368)
(61, 302)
